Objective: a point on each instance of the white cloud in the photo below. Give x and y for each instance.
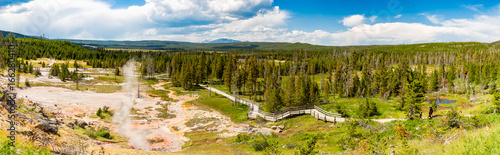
(398, 16)
(177, 11)
(481, 28)
(373, 18)
(353, 20)
(473, 7)
(263, 21)
(94, 19)
(431, 18)
(197, 20)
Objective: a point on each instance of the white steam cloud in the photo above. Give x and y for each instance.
(122, 117)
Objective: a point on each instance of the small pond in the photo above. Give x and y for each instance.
(440, 101)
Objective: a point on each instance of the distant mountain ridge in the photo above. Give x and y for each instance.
(17, 35)
(224, 44)
(222, 40)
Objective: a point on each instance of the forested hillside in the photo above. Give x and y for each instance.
(359, 82)
(287, 79)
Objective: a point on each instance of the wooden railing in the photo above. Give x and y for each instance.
(254, 111)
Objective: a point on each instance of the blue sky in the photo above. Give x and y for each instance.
(323, 22)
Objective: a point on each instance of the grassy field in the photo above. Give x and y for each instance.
(387, 109)
(210, 143)
(108, 79)
(353, 138)
(215, 102)
(38, 62)
(221, 104)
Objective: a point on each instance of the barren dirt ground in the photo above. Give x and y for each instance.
(69, 103)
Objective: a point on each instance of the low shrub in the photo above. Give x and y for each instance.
(242, 137)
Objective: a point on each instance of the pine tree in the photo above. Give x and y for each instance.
(201, 68)
(220, 68)
(367, 109)
(228, 72)
(117, 72)
(496, 101)
(382, 78)
(274, 103)
(242, 76)
(355, 86)
(423, 78)
(434, 81)
(30, 69)
(99, 112)
(339, 85)
(326, 91)
(64, 72)
(372, 108)
(37, 73)
(451, 77)
(434, 107)
(150, 66)
(25, 67)
(253, 74)
(75, 64)
(54, 71)
(300, 91)
(413, 97)
(187, 76)
(365, 82)
(394, 82)
(313, 92)
(27, 83)
(176, 69)
(493, 88)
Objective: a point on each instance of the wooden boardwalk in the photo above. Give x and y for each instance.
(254, 111)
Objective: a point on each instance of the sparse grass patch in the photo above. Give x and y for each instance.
(163, 94)
(194, 121)
(71, 85)
(81, 115)
(180, 91)
(387, 109)
(221, 104)
(164, 112)
(207, 143)
(109, 79)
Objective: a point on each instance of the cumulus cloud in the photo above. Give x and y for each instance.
(398, 16)
(263, 21)
(94, 19)
(197, 20)
(354, 20)
(190, 12)
(482, 28)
